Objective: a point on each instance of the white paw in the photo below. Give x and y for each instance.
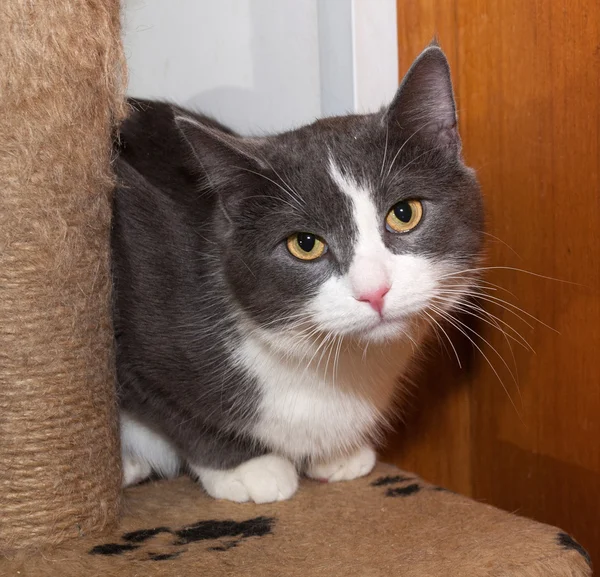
(262, 480)
(134, 471)
(357, 465)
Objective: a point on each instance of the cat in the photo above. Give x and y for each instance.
(271, 292)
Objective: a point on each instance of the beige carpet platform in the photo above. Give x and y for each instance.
(390, 523)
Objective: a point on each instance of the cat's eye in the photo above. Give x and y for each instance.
(305, 246)
(404, 216)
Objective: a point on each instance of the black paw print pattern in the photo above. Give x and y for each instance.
(567, 542)
(405, 486)
(224, 534)
(402, 485)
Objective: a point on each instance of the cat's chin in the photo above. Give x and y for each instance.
(387, 330)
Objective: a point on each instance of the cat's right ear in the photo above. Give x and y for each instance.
(222, 156)
(424, 106)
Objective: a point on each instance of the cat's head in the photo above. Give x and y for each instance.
(354, 225)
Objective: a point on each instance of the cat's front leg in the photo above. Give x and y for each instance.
(356, 465)
(262, 479)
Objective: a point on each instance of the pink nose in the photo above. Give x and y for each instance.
(375, 298)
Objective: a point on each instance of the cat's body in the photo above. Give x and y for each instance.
(242, 351)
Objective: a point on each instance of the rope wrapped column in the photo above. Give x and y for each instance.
(62, 79)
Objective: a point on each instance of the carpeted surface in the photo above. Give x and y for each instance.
(390, 523)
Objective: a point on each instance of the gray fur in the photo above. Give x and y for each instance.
(200, 220)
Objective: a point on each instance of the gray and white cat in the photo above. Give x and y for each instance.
(271, 292)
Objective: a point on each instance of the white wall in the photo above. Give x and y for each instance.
(375, 49)
(262, 65)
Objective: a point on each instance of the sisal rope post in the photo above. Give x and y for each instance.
(61, 94)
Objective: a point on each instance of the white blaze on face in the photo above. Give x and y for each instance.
(371, 267)
(409, 281)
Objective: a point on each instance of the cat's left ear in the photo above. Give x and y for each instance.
(223, 156)
(424, 106)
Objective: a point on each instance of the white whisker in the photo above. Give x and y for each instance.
(468, 308)
(457, 324)
(403, 145)
(513, 269)
(502, 242)
(502, 304)
(387, 133)
(447, 336)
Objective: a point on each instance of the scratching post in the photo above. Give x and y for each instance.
(61, 86)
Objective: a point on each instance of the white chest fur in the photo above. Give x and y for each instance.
(322, 409)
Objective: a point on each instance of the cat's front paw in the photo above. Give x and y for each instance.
(356, 465)
(262, 480)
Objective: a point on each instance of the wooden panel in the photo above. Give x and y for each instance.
(433, 434)
(527, 76)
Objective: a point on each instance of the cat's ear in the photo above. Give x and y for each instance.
(221, 155)
(424, 104)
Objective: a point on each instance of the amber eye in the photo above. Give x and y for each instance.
(306, 246)
(404, 216)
